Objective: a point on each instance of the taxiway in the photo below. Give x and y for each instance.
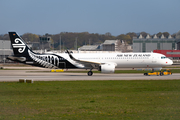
(39, 75)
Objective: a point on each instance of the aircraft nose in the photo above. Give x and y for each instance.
(169, 62)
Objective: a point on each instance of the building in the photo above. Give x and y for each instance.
(150, 43)
(90, 48)
(178, 40)
(110, 45)
(5, 44)
(5, 50)
(171, 53)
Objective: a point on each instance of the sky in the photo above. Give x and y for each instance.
(93, 16)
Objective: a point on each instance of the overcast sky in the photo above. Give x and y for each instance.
(93, 16)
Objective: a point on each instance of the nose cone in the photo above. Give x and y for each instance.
(169, 62)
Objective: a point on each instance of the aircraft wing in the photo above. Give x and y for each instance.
(86, 63)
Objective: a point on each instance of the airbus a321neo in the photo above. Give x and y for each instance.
(104, 62)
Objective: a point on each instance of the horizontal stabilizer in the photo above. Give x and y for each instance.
(21, 59)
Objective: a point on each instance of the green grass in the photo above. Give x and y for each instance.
(92, 100)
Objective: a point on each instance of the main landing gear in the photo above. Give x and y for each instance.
(90, 73)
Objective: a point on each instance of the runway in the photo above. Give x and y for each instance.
(38, 75)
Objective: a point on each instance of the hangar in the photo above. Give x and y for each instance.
(150, 43)
(172, 53)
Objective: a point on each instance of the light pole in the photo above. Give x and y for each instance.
(3, 53)
(63, 45)
(76, 43)
(60, 43)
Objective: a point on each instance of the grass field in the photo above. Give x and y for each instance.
(92, 100)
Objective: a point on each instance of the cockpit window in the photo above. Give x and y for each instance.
(163, 57)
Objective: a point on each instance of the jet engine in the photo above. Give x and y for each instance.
(107, 68)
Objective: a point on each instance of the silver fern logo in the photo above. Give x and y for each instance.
(19, 44)
(48, 61)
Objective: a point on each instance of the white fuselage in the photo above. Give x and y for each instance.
(122, 60)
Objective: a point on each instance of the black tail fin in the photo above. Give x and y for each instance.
(20, 48)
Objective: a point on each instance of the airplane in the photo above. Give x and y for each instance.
(104, 62)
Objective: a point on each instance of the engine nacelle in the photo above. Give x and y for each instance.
(107, 68)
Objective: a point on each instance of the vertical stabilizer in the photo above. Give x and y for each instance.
(20, 48)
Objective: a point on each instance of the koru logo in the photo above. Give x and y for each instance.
(19, 44)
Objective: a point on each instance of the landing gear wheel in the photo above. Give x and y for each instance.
(161, 74)
(90, 73)
(157, 74)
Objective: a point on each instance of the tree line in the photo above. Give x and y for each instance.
(68, 39)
